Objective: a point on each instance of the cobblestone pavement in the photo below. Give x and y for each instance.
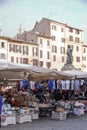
(72, 123)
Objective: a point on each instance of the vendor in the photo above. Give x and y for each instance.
(57, 95)
(39, 93)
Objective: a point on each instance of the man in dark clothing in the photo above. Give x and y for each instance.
(39, 93)
(57, 95)
(85, 94)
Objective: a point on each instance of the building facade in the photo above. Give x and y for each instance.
(3, 49)
(22, 52)
(44, 51)
(74, 37)
(61, 35)
(18, 51)
(84, 58)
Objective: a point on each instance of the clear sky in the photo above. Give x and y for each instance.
(27, 12)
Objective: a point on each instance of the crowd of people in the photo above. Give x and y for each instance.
(59, 89)
(55, 89)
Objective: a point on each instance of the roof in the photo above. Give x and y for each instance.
(16, 40)
(42, 35)
(11, 39)
(65, 24)
(54, 21)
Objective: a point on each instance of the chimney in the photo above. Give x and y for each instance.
(21, 29)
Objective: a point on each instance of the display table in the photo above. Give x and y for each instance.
(45, 111)
(20, 118)
(8, 119)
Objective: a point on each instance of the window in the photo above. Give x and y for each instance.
(84, 50)
(54, 49)
(70, 29)
(62, 59)
(62, 29)
(41, 54)
(48, 55)
(53, 38)
(41, 42)
(19, 60)
(70, 38)
(25, 50)
(12, 59)
(35, 51)
(35, 62)
(2, 45)
(62, 50)
(77, 59)
(25, 60)
(77, 39)
(2, 56)
(77, 31)
(12, 48)
(62, 39)
(77, 48)
(48, 43)
(84, 58)
(54, 27)
(48, 64)
(18, 48)
(54, 58)
(41, 63)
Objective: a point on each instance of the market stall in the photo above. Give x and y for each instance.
(26, 105)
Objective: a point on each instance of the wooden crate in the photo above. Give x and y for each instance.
(20, 118)
(59, 115)
(8, 119)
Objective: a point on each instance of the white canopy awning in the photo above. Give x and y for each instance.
(17, 71)
(76, 73)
